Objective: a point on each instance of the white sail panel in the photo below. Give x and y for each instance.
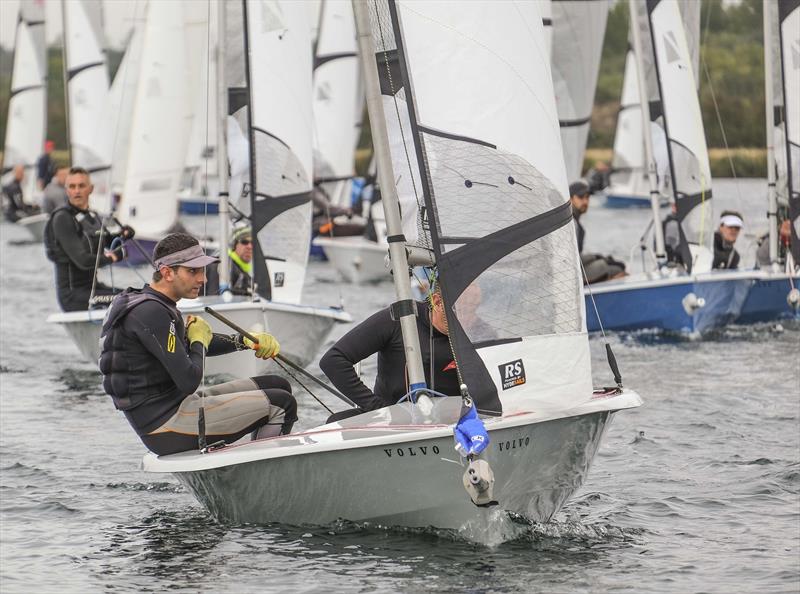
(159, 127)
(578, 30)
(338, 99)
(25, 126)
(690, 15)
(87, 95)
(281, 132)
(690, 171)
(492, 191)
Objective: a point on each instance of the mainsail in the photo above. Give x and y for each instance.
(629, 177)
(278, 67)
(477, 153)
(338, 99)
(689, 172)
(789, 27)
(160, 126)
(27, 117)
(87, 94)
(578, 30)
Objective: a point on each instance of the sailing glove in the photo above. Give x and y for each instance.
(198, 330)
(470, 434)
(267, 346)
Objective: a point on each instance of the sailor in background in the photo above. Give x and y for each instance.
(152, 363)
(55, 194)
(596, 267)
(72, 239)
(241, 269)
(725, 255)
(14, 207)
(784, 241)
(45, 167)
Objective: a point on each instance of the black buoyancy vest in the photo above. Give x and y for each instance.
(87, 225)
(129, 376)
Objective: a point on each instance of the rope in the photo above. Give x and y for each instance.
(302, 385)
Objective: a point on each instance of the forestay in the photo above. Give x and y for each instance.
(160, 125)
(279, 69)
(789, 19)
(87, 94)
(338, 99)
(578, 30)
(474, 105)
(25, 127)
(690, 173)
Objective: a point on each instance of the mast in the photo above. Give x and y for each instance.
(404, 306)
(648, 139)
(65, 77)
(222, 148)
(769, 100)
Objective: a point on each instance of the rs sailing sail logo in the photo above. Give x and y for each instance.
(512, 374)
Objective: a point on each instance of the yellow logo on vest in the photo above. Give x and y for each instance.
(171, 338)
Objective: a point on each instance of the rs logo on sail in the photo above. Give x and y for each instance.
(512, 374)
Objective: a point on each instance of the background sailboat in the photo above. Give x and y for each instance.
(27, 116)
(696, 299)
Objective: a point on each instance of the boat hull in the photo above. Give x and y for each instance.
(301, 330)
(357, 259)
(35, 225)
(730, 297)
(377, 468)
(626, 201)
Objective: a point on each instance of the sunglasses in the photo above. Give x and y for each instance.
(245, 241)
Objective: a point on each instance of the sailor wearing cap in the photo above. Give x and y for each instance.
(152, 363)
(730, 224)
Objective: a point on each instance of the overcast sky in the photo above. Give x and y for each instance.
(117, 20)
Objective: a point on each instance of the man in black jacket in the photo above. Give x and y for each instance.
(382, 335)
(152, 363)
(72, 239)
(725, 255)
(596, 267)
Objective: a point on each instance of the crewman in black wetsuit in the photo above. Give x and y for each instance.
(380, 334)
(725, 255)
(152, 363)
(14, 206)
(72, 240)
(596, 267)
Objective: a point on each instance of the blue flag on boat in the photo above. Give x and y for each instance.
(470, 433)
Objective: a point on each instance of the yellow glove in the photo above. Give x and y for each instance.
(198, 330)
(267, 346)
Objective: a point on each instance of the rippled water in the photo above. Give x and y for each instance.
(698, 490)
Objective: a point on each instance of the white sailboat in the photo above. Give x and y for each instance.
(578, 31)
(690, 299)
(301, 329)
(629, 182)
(27, 108)
(397, 466)
(87, 89)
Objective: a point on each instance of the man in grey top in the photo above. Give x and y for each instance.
(55, 194)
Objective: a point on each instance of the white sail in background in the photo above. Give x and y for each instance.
(490, 200)
(578, 31)
(338, 99)
(201, 159)
(160, 125)
(280, 133)
(789, 27)
(629, 175)
(87, 95)
(690, 173)
(27, 106)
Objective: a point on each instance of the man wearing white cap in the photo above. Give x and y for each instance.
(725, 255)
(152, 363)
